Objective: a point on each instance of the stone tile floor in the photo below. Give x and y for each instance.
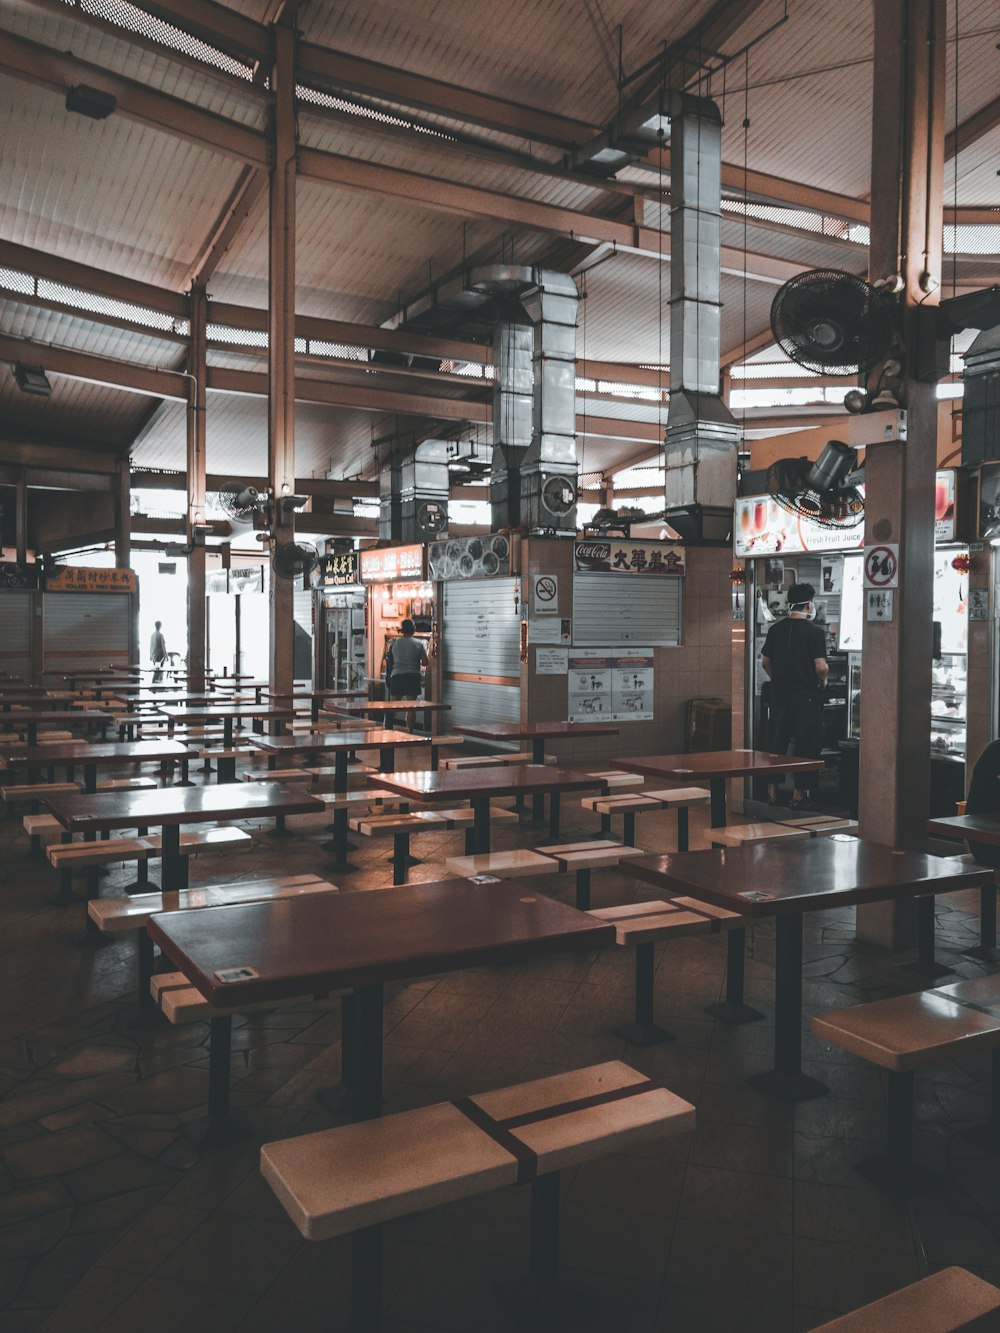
(111, 1221)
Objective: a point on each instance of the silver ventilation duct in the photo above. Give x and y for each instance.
(413, 491)
(702, 436)
(534, 476)
(981, 404)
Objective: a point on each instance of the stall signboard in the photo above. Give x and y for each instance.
(762, 527)
(248, 578)
(338, 570)
(78, 578)
(619, 555)
(470, 557)
(610, 684)
(389, 564)
(216, 582)
(18, 576)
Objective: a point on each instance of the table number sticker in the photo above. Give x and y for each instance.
(484, 879)
(236, 974)
(755, 896)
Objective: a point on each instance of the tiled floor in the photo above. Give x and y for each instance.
(111, 1221)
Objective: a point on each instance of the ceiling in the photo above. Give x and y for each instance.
(428, 143)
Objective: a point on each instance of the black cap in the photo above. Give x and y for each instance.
(800, 593)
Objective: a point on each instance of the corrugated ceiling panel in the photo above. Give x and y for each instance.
(99, 46)
(63, 330)
(560, 54)
(75, 411)
(108, 193)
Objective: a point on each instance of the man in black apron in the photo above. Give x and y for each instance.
(794, 657)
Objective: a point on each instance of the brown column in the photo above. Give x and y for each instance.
(196, 468)
(21, 518)
(906, 239)
(281, 331)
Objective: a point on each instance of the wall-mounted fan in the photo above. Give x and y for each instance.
(823, 491)
(241, 503)
(832, 322)
(291, 560)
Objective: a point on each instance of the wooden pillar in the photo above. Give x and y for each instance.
(196, 469)
(281, 332)
(906, 240)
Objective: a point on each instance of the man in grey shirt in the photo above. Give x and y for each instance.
(405, 658)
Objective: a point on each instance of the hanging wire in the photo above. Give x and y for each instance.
(583, 298)
(746, 209)
(954, 178)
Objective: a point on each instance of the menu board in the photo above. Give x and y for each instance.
(611, 684)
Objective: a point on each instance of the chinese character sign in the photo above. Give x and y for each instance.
(336, 571)
(392, 562)
(74, 578)
(621, 556)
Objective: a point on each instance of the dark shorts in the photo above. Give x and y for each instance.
(798, 717)
(404, 685)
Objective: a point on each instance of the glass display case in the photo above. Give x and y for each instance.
(948, 696)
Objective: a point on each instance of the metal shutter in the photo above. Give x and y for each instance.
(480, 636)
(15, 644)
(610, 609)
(79, 625)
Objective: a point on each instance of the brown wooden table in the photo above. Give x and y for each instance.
(32, 718)
(785, 880)
(717, 767)
(326, 942)
(537, 733)
(477, 785)
(229, 714)
(972, 829)
(342, 745)
(22, 698)
(313, 698)
(90, 756)
(377, 708)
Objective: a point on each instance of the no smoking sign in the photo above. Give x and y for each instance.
(882, 566)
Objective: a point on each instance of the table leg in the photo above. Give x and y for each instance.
(222, 1126)
(540, 1296)
(925, 964)
(717, 787)
(644, 1031)
(387, 759)
(786, 1082)
(682, 828)
(481, 827)
(538, 801)
(367, 1052)
(732, 1009)
(987, 949)
(171, 862)
(366, 1280)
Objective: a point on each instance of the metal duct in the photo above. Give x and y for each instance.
(423, 492)
(981, 403)
(702, 436)
(389, 499)
(549, 469)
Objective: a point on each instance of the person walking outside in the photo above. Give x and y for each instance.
(157, 651)
(405, 657)
(794, 658)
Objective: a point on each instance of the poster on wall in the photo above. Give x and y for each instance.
(551, 631)
(611, 684)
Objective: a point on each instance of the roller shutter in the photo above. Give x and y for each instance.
(611, 609)
(480, 636)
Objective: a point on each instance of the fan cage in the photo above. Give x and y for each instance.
(843, 510)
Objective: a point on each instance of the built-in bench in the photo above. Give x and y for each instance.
(401, 827)
(643, 925)
(356, 1177)
(630, 804)
(35, 791)
(909, 1032)
(949, 1301)
(578, 857)
(749, 835)
(83, 855)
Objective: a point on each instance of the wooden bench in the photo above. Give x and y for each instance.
(355, 1177)
(950, 1301)
(83, 855)
(37, 825)
(113, 916)
(401, 827)
(618, 777)
(581, 858)
(644, 925)
(35, 791)
(279, 775)
(578, 857)
(632, 803)
(748, 835)
(908, 1032)
(439, 743)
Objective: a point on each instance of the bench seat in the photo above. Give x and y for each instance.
(594, 855)
(514, 864)
(34, 791)
(355, 1176)
(276, 774)
(748, 835)
(82, 855)
(949, 1301)
(113, 915)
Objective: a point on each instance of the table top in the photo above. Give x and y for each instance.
(304, 693)
(180, 696)
(791, 877)
(179, 805)
(972, 828)
(54, 715)
(515, 731)
(336, 740)
(719, 764)
(101, 752)
(452, 784)
(201, 712)
(376, 706)
(65, 698)
(336, 940)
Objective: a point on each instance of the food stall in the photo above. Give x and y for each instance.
(340, 623)
(397, 588)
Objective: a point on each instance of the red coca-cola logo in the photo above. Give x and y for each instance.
(593, 550)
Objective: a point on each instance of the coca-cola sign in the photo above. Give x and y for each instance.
(621, 556)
